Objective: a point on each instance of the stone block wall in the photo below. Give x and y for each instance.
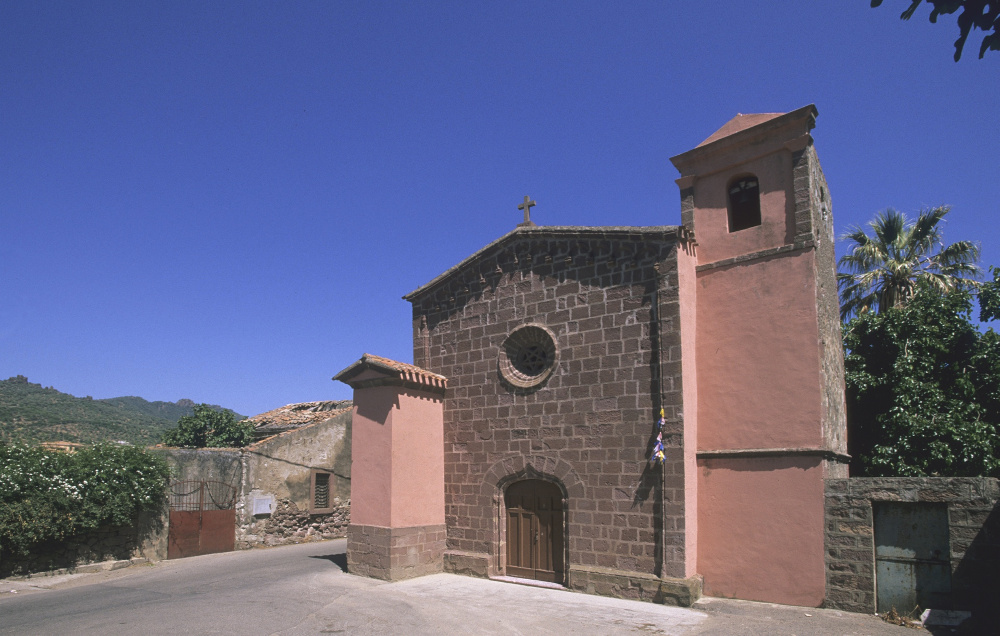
(394, 554)
(609, 295)
(974, 537)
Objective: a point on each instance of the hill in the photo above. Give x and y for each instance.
(32, 413)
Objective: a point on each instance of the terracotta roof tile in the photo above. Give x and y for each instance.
(292, 416)
(401, 372)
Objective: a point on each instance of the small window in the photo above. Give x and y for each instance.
(320, 500)
(744, 203)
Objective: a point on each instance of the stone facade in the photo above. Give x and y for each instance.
(568, 355)
(974, 528)
(637, 587)
(610, 297)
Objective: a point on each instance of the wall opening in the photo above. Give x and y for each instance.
(744, 203)
(319, 493)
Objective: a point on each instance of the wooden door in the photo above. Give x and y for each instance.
(535, 531)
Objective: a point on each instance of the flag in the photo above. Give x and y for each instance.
(657, 456)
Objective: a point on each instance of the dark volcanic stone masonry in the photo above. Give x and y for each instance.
(609, 297)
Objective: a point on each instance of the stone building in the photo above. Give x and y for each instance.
(552, 365)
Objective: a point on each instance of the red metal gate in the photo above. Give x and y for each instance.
(202, 518)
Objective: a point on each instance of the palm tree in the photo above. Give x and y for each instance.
(884, 270)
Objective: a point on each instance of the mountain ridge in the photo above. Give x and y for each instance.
(31, 413)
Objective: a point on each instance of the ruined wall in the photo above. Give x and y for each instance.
(289, 524)
(281, 465)
(609, 296)
(278, 469)
(209, 464)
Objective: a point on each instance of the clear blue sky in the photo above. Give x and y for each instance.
(226, 201)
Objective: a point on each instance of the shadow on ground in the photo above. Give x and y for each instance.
(340, 560)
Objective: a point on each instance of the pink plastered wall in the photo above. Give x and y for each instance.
(397, 469)
(371, 462)
(418, 461)
(687, 288)
(761, 529)
(777, 211)
(759, 383)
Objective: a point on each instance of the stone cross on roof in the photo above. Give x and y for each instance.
(526, 206)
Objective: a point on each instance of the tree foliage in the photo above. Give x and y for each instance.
(923, 389)
(882, 270)
(209, 427)
(51, 496)
(978, 14)
(989, 297)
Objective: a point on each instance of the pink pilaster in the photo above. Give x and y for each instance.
(397, 471)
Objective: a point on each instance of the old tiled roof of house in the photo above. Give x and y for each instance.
(292, 416)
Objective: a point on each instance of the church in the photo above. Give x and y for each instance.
(640, 412)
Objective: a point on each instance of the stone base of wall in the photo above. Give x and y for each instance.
(467, 563)
(108, 543)
(593, 580)
(393, 554)
(287, 524)
(635, 586)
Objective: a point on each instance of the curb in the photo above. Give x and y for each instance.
(87, 568)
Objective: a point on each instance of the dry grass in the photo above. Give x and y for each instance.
(907, 620)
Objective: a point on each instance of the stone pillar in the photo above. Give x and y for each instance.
(397, 526)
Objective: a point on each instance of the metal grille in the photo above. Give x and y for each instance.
(321, 495)
(201, 495)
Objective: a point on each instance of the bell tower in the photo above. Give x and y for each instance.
(768, 416)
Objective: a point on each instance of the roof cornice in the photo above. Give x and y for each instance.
(662, 232)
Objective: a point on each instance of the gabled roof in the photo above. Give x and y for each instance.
(372, 370)
(738, 123)
(765, 132)
(661, 232)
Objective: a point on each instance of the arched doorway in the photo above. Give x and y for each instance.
(535, 530)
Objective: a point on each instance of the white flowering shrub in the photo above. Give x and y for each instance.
(47, 495)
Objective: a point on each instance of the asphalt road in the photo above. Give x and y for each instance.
(303, 589)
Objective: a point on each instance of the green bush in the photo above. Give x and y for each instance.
(210, 427)
(51, 496)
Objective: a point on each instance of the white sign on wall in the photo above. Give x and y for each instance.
(263, 505)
